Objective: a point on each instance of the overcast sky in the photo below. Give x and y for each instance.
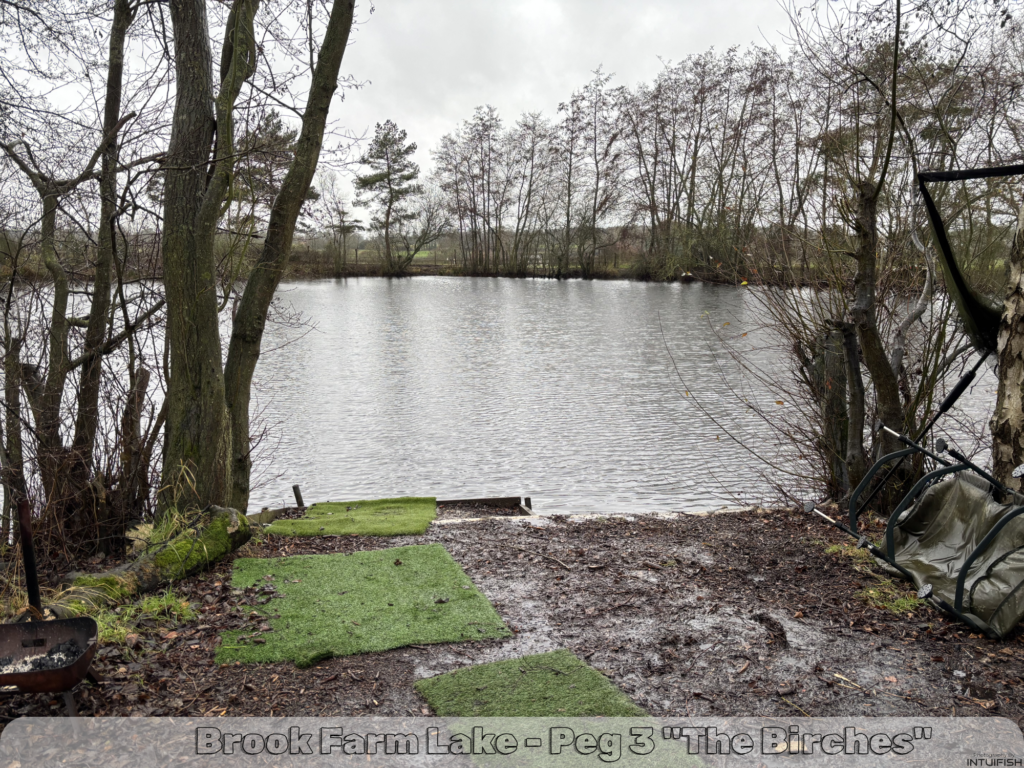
(429, 64)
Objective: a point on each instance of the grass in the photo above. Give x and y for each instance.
(165, 610)
(860, 557)
(889, 596)
(380, 517)
(555, 684)
(338, 605)
(886, 595)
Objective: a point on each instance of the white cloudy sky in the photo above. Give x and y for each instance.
(429, 63)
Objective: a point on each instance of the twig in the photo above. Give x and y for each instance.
(794, 706)
(552, 559)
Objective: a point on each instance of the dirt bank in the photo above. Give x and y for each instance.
(732, 614)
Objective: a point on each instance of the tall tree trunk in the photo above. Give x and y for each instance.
(45, 394)
(250, 321)
(828, 370)
(862, 312)
(14, 466)
(96, 329)
(1007, 423)
(856, 458)
(197, 434)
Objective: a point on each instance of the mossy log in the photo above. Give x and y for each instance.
(185, 555)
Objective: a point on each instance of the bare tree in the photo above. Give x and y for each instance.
(208, 405)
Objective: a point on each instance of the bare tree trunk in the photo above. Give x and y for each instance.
(14, 466)
(1007, 422)
(829, 372)
(856, 458)
(133, 486)
(45, 394)
(249, 323)
(198, 435)
(862, 312)
(96, 329)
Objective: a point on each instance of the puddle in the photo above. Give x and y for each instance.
(520, 611)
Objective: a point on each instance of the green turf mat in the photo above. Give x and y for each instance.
(377, 517)
(555, 684)
(337, 605)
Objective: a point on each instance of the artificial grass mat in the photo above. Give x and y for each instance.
(338, 605)
(555, 684)
(378, 517)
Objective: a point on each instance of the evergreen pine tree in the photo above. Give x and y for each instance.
(388, 187)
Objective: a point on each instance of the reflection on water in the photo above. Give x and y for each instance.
(563, 391)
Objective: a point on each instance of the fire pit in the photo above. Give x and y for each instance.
(44, 656)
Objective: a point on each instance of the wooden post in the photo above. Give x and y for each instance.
(298, 496)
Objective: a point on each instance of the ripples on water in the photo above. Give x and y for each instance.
(563, 391)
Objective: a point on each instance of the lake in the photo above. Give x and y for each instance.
(564, 391)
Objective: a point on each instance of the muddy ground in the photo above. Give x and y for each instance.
(730, 614)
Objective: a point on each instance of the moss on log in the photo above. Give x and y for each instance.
(185, 555)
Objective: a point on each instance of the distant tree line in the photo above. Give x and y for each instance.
(731, 165)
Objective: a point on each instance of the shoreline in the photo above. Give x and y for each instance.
(757, 614)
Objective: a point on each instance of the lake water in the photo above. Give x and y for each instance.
(562, 391)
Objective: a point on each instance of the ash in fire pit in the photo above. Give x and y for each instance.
(59, 656)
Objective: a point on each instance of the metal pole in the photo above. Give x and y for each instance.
(947, 403)
(29, 555)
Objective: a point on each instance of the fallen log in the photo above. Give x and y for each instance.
(188, 553)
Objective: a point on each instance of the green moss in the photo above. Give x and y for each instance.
(859, 556)
(114, 588)
(891, 597)
(194, 549)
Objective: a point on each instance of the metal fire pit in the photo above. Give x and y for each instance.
(32, 638)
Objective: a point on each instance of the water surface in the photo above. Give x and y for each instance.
(564, 391)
